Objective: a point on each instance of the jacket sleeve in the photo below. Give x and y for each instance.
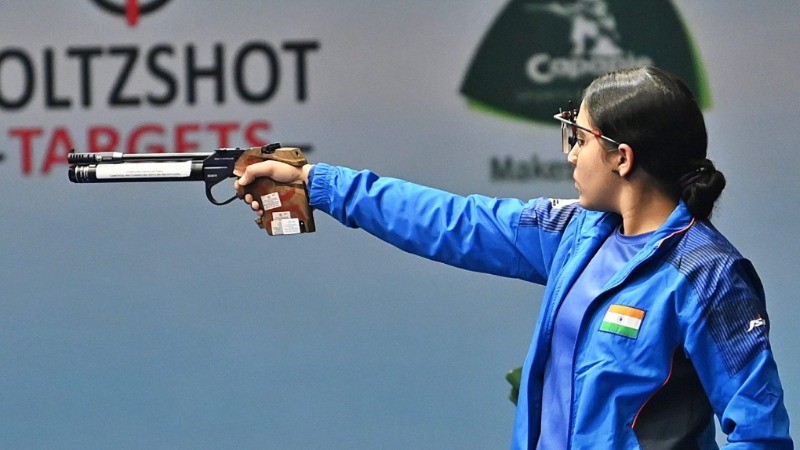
(483, 234)
(728, 343)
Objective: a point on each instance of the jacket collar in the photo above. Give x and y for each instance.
(677, 223)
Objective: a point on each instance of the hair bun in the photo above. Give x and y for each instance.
(701, 187)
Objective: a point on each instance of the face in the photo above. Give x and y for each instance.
(595, 179)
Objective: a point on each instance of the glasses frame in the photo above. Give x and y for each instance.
(569, 130)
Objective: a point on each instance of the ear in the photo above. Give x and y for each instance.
(625, 158)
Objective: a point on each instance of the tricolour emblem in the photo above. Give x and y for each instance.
(623, 320)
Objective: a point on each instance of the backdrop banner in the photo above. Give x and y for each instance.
(141, 315)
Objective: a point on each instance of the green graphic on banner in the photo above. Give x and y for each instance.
(539, 54)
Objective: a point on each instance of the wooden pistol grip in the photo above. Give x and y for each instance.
(288, 155)
(285, 206)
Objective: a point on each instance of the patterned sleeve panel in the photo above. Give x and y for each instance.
(476, 232)
(727, 338)
(542, 226)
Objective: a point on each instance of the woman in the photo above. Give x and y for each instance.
(651, 322)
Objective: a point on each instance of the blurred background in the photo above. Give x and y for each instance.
(142, 316)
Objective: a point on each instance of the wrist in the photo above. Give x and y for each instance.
(305, 171)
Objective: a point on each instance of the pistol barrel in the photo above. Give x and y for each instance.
(189, 170)
(118, 157)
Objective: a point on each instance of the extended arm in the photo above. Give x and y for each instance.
(498, 236)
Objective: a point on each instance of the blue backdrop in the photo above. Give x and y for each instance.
(141, 316)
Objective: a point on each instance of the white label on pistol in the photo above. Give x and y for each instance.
(290, 226)
(180, 169)
(277, 228)
(271, 201)
(281, 215)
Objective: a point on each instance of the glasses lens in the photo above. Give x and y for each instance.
(568, 137)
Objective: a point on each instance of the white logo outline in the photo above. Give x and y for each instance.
(755, 323)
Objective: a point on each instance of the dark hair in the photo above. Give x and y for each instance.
(655, 113)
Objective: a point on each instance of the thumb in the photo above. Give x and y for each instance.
(244, 179)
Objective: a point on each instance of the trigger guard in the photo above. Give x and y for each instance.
(212, 199)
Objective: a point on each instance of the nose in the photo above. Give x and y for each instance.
(572, 156)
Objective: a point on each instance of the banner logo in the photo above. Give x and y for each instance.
(92, 83)
(132, 9)
(539, 54)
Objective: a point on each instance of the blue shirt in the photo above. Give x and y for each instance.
(617, 250)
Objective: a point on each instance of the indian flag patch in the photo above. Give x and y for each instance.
(623, 320)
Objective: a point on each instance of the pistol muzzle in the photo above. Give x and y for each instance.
(93, 158)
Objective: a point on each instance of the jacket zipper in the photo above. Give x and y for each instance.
(592, 306)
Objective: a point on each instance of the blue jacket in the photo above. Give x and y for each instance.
(700, 349)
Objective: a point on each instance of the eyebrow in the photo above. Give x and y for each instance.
(582, 132)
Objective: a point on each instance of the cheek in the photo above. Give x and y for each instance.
(590, 159)
(583, 163)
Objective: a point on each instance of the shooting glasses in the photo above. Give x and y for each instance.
(569, 129)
